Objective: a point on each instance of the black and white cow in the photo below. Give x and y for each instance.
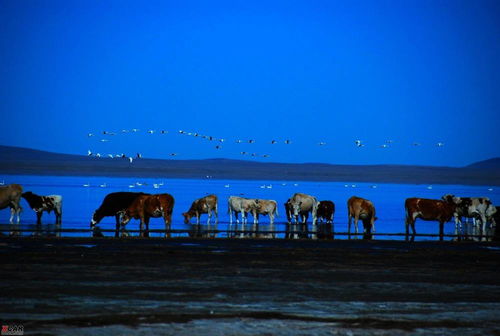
(49, 203)
(480, 209)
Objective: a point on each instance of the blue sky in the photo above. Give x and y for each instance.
(307, 71)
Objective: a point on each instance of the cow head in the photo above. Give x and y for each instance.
(187, 217)
(449, 198)
(490, 210)
(93, 222)
(296, 208)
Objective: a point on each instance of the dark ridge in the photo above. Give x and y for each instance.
(486, 164)
(24, 161)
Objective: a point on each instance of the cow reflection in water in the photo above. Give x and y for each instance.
(146, 206)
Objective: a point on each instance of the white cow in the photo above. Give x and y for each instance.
(241, 205)
(302, 204)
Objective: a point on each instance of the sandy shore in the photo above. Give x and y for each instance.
(86, 286)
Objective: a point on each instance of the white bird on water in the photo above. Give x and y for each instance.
(322, 143)
(104, 140)
(440, 144)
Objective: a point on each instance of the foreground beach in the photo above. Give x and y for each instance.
(85, 286)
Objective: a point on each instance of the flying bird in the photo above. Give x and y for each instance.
(358, 143)
(89, 153)
(416, 144)
(163, 132)
(139, 156)
(384, 146)
(288, 142)
(218, 147)
(440, 144)
(151, 131)
(104, 140)
(273, 142)
(90, 134)
(251, 141)
(322, 143)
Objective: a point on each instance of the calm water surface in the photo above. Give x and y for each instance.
(83, 195)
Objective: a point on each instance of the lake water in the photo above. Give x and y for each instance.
(80, 201)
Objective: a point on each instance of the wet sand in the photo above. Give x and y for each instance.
(102, 286)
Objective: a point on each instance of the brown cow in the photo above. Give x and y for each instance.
(326, 210)
(10, 196)
(266, 207)
(428, 209)
(207, 204)
(146, 206)
(363, 209)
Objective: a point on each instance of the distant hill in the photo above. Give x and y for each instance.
(486, 164)
(16, 160)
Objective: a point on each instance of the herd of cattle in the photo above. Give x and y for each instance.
(127, 205)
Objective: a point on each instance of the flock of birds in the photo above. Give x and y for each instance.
(218, 143)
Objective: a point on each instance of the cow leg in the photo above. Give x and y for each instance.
(146, 229)
(216, 222)
(243, 222)
(271, 225)
(413, 229)
(58, 213)
(314, 234)
(356, 219)
(11, 221)
(167, 220)
(407, 226)
(209, 215)
(255, 228)
(117, 227)
(441, 230)
(38, 229)
(349, 221)
(483, 228)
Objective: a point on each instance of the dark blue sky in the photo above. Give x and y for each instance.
(308, 71)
